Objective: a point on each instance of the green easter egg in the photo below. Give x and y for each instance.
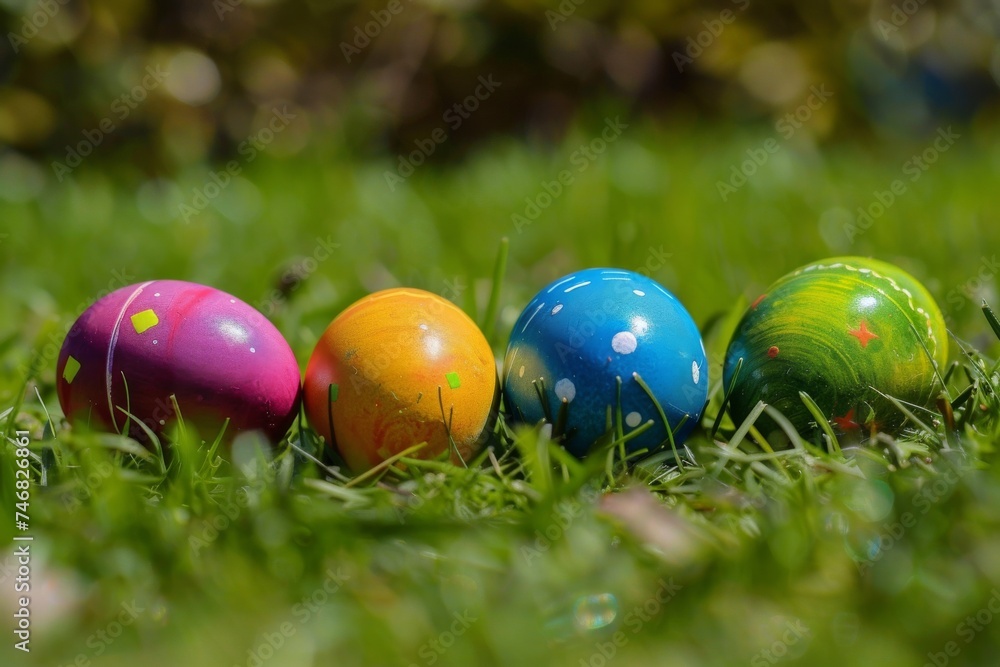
(842, 330)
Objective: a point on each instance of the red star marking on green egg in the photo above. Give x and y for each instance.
(863, 334)
(847, 423)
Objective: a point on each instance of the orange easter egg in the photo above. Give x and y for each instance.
(398, 368)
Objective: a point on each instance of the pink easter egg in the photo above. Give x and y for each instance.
(220, 358)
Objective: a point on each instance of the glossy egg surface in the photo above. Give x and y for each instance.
(583, 332)
(135, 348)
(397, 368)
(845, 330)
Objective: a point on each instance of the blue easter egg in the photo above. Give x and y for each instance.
(584, 331)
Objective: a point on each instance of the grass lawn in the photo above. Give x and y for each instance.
(878, 556)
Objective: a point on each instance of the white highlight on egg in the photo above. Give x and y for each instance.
(557, 308)
(433, 346)
(633, 419)
(537, 310)
(566, 390)
(695, 372)
(560, 283)
(638, 292)
(520, 372)
(570, 289)
(624, 342)
(233, 331)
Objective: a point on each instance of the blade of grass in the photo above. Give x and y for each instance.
(823, 422)
(991, 318)
(385, 464)
(493, 305)
(725, 399)
(934, 365)
(911, 416)
(161, 462)
(663, 417)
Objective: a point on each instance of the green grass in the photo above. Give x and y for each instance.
(530, 557)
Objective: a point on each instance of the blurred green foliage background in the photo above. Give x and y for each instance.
(378, 79)
(291, 154)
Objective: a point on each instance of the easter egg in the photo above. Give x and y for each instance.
(132, 350)
(848, 331)
(398, 368)
(586, 331)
